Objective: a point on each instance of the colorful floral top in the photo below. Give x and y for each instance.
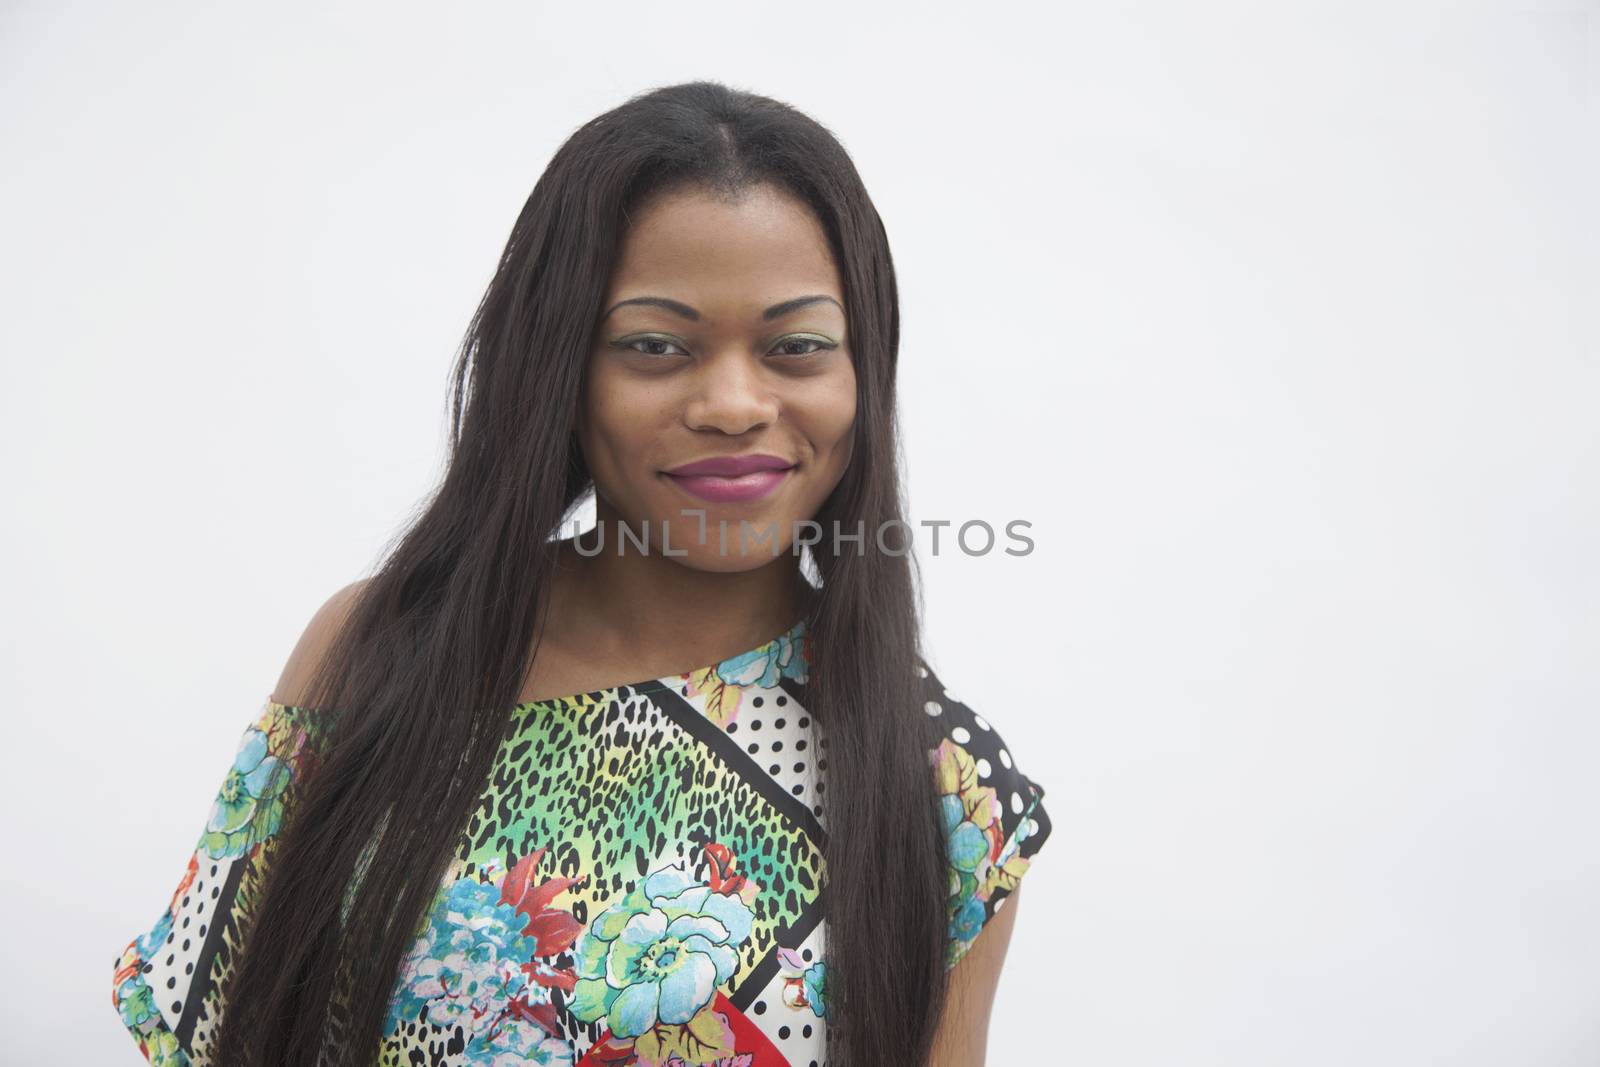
(639, 884)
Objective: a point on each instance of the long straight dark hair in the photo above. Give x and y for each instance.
(417, 683)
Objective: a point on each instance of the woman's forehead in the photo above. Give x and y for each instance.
(737, 254)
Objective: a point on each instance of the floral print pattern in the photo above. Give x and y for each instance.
(659, 954)
(488, 962)
(975, 843)
(249, 806)
(805, 985)
(639, 886)
(724, 684)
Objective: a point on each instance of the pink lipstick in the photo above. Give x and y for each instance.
(731, 479)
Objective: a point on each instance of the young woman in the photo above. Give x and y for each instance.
(682, 790)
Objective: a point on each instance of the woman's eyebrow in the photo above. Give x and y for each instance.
(677, 307)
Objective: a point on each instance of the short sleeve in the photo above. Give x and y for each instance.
(993, 814)
(166, 979)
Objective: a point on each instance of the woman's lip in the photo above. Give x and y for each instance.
(732, 466)
(721, 490)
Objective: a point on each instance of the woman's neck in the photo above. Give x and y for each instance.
(649, 611)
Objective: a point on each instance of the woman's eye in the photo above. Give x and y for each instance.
(658, 346)
(784, 348)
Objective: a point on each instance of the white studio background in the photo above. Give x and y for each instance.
(1277, 324)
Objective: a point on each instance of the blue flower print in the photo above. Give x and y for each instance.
(467, 960)
(780, 658)
(249, 806)
(659, 954)
(816, 982)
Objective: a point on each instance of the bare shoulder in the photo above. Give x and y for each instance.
(962, 1038)
(295, 681)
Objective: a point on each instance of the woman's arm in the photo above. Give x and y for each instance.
(294, 683)
(162, 984)
(963, 1036)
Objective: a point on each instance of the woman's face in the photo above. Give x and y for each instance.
(722, 335)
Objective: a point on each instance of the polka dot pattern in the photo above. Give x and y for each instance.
(780, 736)
(170, 971)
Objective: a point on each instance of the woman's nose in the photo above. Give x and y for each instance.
(731, 394)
